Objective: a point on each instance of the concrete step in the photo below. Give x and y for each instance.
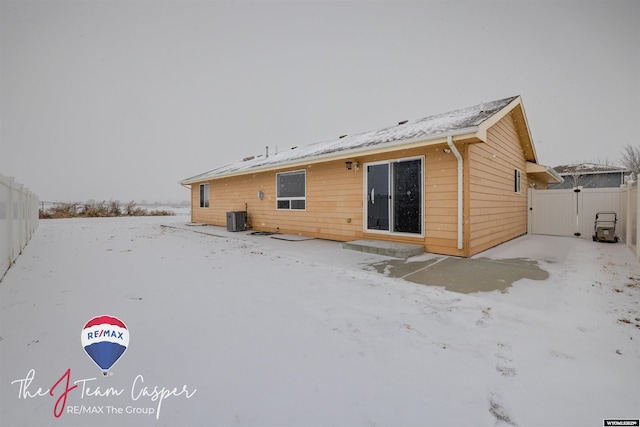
(380, 247)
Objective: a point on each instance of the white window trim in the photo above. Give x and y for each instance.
(290, 199)
(206, 201)
(517, 181)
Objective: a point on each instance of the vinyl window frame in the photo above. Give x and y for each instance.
(391, 232)
(205, 190)
(291, 201)
(517, 181)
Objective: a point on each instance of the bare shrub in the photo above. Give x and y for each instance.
(113, 208)
(92, 209)
(631, 158)
(132, 210)
(63, 210)
(160, 212)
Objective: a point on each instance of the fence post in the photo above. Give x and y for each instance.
(629, 220)
(10, 215)
(529, 209)
(637, 219)
(20, 218)
(35, 215)
(19, 207)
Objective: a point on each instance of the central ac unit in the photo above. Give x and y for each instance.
(236, 221)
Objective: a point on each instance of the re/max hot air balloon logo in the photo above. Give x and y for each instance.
(105, 339)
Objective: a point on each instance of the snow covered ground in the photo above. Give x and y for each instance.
(254, 331)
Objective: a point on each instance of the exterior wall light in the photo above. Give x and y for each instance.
(352, 165)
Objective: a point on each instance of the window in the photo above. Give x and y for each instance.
(291, 190)
(516, 181)
(204, 195)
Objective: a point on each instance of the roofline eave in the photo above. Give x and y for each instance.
(516, 103)
(593, 172)
(549, 172)
(441, 138)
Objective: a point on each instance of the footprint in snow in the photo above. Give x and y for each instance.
(486, 317)
(499, 408)
(504, 356)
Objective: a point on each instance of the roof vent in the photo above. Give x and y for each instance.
(403, 122)
(294, 147)
(342, 136)
(246, 159)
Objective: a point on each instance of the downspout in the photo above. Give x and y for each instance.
(459, 157)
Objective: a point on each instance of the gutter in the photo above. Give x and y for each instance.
(535, 168)
(334, 155)
(459, 157)
(554, 174)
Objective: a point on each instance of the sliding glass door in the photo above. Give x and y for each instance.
(378, 197)
(394, 196)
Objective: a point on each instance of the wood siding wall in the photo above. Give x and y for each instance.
(537, 183)
(493, 212)
(441, 202)
(496, 213)
(335, 201)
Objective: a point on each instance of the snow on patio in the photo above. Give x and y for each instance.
(254, 331)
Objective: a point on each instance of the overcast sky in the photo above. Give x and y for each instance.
(122, 99)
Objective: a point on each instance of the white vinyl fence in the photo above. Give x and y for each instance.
(572, 212)
(632, 206)
(18, 220)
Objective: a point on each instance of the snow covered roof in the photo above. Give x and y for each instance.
(456, 122)
(588, 168)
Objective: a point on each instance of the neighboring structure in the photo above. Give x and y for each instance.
(590, 175)
(454, 182)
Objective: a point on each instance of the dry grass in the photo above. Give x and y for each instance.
(102, 209)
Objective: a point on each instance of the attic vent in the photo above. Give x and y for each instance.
(342, 136)
(246, 159)
(403, 122)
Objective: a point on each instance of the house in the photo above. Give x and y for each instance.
(590, 175)
(454, 182)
